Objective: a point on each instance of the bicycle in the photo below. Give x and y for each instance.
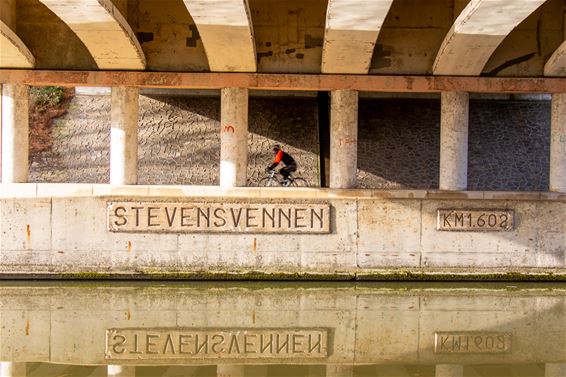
(272, 180)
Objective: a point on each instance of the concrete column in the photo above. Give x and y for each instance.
(557, 177)
(229, 370)
(454, 141)
(449, 370)
(554, 369)
(15, 133)
(234, 137)
(8, 369)
(343, 138)
(121, 371)
(339, 370)
(124, 136)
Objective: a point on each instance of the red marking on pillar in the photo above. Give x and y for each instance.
(229, 129)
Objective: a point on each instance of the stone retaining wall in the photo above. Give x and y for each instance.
(398, 142)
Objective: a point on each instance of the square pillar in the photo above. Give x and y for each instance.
(15, 133)
(124, 136)
(343, 138)
(557, 174)
(9, 369)
(554, 369)
(234, 137)
(454, 141)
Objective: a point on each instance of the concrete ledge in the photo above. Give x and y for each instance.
(393, 274)
(68, 190)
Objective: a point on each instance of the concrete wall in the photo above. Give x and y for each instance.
(366, 324)
(63, 228)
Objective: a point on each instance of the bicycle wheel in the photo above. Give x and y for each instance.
(299, 182)
(268, 182)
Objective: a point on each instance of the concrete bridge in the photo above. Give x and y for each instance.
(384, 330)
(447, 48)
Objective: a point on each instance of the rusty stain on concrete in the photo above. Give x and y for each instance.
(129, 246)
(27, 327)
(28, 232)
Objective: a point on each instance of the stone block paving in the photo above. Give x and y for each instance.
(508, 146)
(179, 140)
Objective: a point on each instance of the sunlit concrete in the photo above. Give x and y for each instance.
(343, 138)
(15, 133)
(352, 28)
(234, 137)
(557, 176)
(229, 370)
(554, 369)
(14, 53)
(9, 369)
(477, 32)
(454, 141)
(121, 371)
(104, 31)
(124, 136)
(225, 27)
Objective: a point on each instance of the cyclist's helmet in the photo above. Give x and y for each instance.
(276, 147)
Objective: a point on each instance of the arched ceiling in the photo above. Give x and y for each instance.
(13, 52)
(103, 30)
(226, 30)
(393, 37)
(477, 32)
(350, 36)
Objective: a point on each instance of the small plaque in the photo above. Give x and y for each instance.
(209, 344)
(217, 217)
(472, 342)
(475, 220)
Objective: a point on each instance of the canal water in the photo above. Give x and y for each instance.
(282, 329)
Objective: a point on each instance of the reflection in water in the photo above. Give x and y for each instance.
(278, 329)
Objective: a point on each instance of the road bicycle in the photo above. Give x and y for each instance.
(273, 180)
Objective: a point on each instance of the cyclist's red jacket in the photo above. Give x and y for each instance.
(281, 156)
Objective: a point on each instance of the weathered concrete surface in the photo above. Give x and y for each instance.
(454, 118)
(124, 136)
(15, 133)
(67, 324)
(14, 53)
(477, 32)
(234, 137)
(63, 229)
(103, 30)
(557, 177)
(350, 36)
(343, 138)
(225, 27)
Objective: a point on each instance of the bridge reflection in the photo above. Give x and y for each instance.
(253, 329)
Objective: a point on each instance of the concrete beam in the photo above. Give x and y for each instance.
(350, 35)
(14, 53)
(302, 82)
(477, 32)
(103, 30)
(225, 27)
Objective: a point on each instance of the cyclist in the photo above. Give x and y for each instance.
(288, 161)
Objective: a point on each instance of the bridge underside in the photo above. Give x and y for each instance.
(334, 51)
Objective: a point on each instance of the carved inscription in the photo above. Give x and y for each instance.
(207, 217)
(472, 342)
(475, 220)
(175, 343)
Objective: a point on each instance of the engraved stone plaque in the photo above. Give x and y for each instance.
(201, 344)
(475, 220)
(217, 217)
(472, 342)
